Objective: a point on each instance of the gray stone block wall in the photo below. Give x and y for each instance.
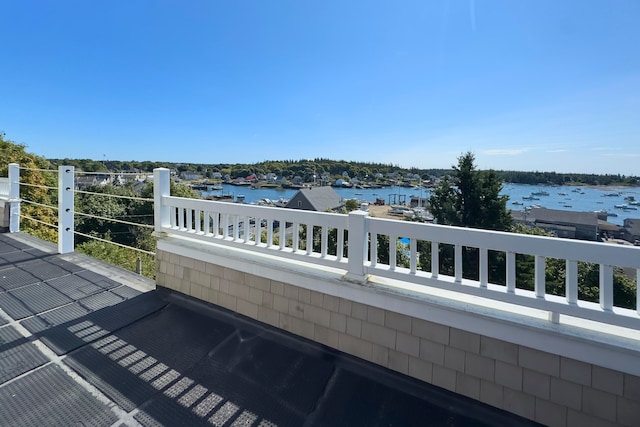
(544, 387)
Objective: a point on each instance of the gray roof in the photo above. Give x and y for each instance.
(633, 226)
(109, 354)
(561, 217)
(319, 199)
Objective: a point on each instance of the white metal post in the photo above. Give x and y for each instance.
(65, 209)
(357, 246)
(161, 188)
(14, 198)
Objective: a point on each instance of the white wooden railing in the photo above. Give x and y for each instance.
(252, 227)
(4, 188)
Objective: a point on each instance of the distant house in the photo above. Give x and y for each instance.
(190, 176)
(319, 199)
(631, 230)
(567, 224)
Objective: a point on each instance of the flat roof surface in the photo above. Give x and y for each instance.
(82, 343)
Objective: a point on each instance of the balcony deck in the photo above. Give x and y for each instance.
(82, 343)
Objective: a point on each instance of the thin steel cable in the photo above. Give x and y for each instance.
(39, 204)
(114, 220)
(115, 195)
(113, 173)
(38, 186)
(39, 221)
(114, 243)
(36, 169)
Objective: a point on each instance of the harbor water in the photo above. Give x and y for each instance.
(571, 198)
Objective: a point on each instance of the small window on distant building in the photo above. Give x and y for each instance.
(299, 203)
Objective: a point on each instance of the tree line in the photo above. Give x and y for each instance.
(308, 169)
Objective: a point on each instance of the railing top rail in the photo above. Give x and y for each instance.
(550, 247)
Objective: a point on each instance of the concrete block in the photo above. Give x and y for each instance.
(444, 377)
(196, 291)
(233, 275)
(432, 352)
(518, 403)
(375, 315)
(304, 296)
(291, 292)
(468, 385)
(420, 369)
(359, 311)
(355, 346)
(380, 355)
(302, 327)
(550, 414)
(227, 301)
(628, 412)
(247, 309)
(454, 358)
(430, 331)
(277, 288)
(580, 419)
(215, 283)
(508, 375)
(239, 290)
(214, 270)
(338, 322)
(354, 327)
(398, 362)
(199, 265)
(464, 340)
(632, 387)
(397, 321)
(255, 296)
(268, 316)
(607, 380)
(539, 361)
(566, 393)
(575, 371)
(316, 298)
(225, 286)
(317, 315)
(280, 304)
(326, 336)
(344, 307)
(479, 367)
(536, 384)
(267, 300)
(187, 262)
(330, 302)
(259, 282)
(296, 308)
(408, 344)
(599, 403)
(378, 334)
(491, 393)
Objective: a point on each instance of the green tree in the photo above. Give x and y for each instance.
(470, 198)
(42, 201)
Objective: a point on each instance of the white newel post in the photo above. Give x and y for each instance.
(65, 209)
(357, 242)
(14, 198)
(161, 188)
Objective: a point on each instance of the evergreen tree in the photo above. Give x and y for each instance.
(470, 198)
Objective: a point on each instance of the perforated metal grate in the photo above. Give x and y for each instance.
(49, 397)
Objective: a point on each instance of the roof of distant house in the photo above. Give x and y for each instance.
(320, 199)
(561, 217)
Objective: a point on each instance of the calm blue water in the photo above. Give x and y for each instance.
(591, 198)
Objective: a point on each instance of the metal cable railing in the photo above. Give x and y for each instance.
(68, 216)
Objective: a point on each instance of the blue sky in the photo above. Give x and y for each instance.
(528, 85)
